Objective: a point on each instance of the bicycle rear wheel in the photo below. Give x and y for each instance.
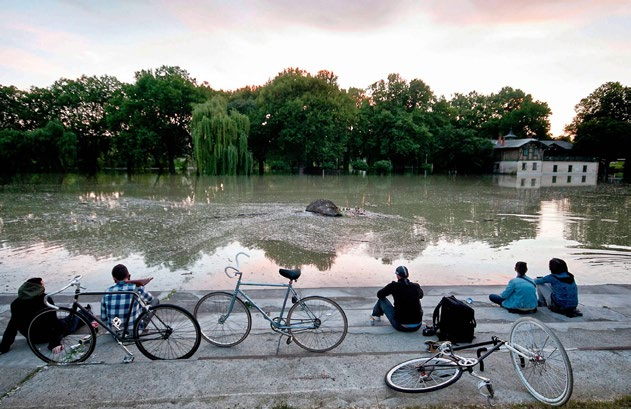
(167, 332)
(423, 375)
(73, 331)
(221, 324)
(547, 372)
(317, 324)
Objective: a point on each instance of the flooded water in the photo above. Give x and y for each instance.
(184, 230)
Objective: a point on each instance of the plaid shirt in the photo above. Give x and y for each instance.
(117, 305)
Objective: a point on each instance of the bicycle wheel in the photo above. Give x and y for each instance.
(167, 332)
(73, 331)
(317, 324)
(547, 372)
(423, 375)
(221, 325)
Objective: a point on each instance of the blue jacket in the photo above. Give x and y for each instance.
(520, 293)
(564, 289)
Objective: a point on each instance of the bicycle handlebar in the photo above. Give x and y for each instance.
(76, 281)
(236, 269)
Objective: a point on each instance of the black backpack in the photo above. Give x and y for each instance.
(454, 320)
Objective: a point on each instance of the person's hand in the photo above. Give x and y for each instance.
(58, 349)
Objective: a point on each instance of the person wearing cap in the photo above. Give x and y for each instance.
(406, 314)
(115, 305)
(520, 295)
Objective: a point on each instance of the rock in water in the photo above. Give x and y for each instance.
(324, 207)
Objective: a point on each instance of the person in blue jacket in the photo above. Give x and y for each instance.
(558, 290)
(520, 295)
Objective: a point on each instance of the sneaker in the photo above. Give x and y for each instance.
(374, 319)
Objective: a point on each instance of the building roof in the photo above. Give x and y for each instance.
(512, 143)
(561, 144)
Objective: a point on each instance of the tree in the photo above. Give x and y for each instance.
(302, 119)
(220, 139)
(153, 115)
(393, 121)
(80, 106)
(602, 125)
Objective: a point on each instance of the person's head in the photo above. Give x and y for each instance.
(36, 280)
(558, 266)
(402, 272)
(120, 273)
(521, 268)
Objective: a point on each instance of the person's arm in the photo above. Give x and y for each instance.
(508, 290)
(9, 336)
(385, 291)
(420, 292)
(141, 282)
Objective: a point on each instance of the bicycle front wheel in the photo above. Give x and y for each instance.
(317, 324)
(423, 375)
(64, 327)
(545, 369)
(167, 332)
(224, 323)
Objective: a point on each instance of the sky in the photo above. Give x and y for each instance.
(559, 51)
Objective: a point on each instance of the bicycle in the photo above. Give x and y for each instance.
(160, 332)
(315, 323)
(538, 356)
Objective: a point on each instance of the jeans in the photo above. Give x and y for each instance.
(496, 299)
(384, 306)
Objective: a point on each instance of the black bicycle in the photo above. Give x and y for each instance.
(161, 332)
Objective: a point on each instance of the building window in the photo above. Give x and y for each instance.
(534, 165)
(523, 182)
(569, 179)
(569, 168)
(583, 179)
(554, 179)
(584, 168)
(524, 152)
(536, 152)
(523, 165)
(555, 168)
(533, 182)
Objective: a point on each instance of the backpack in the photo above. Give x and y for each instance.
(454, 320)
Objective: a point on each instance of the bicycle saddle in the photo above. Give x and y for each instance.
(291, 274)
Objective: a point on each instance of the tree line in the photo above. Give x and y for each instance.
(297, 121)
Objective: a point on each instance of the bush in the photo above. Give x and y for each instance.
(359, 165)
(382, 167)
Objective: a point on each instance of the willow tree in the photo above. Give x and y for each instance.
(220, 139)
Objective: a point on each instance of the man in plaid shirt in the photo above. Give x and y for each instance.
(116, 305)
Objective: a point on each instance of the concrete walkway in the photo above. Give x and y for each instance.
(263, 371)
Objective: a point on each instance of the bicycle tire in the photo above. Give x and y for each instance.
(331, 324)
(217, 326)
(421, 375)
(548, 375)
(167, 332)
(77, 346)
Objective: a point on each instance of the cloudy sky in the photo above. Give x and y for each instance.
(557, 50)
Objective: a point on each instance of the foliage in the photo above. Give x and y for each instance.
(220, 139)
(359, 165)
(602, 125)
(382, 167)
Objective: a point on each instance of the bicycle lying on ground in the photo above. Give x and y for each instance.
(315, 323)
(537, 354)
(161, 332)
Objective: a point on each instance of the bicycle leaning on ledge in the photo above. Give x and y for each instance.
(315, 323)
(161, 332)
(537, 354)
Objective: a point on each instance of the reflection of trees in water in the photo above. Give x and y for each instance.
(287, 255)
(173, 221)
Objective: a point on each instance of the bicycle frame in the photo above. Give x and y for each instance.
(276, 323)
(76, 282)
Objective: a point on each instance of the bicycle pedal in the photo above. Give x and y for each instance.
(289, 339)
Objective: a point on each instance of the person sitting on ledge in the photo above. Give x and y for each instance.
(558, 290)
(520, 295)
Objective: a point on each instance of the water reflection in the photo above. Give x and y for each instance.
(183, 229)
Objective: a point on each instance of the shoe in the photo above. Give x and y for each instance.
(374, 319)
